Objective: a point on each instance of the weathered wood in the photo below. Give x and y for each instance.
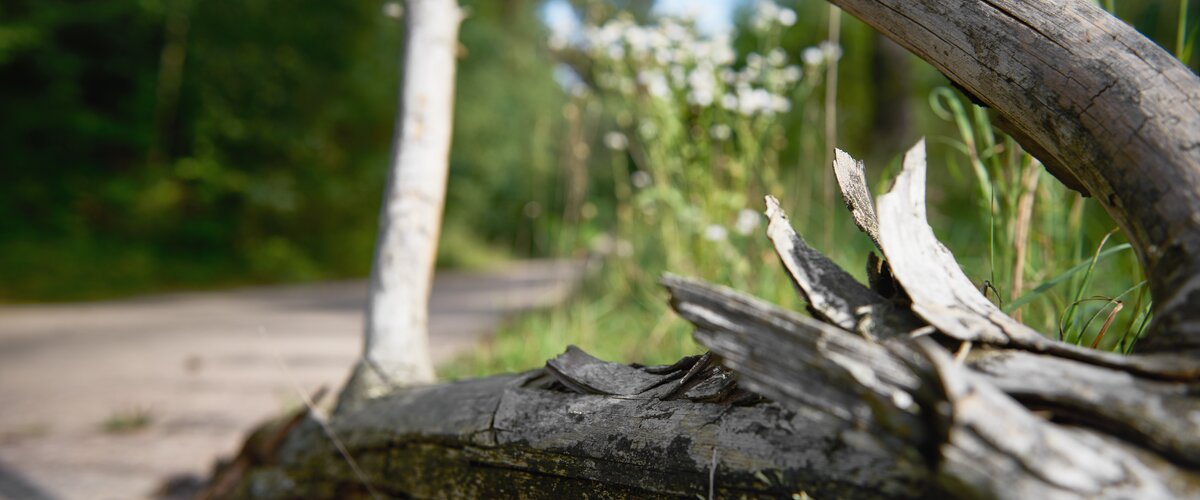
(497, 438)
(1158, 415)
(994, 447)
(831, 293)
(1094, 101)
(928, 412)
(852, 182)
(942, 294)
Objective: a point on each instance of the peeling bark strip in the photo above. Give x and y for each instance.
(852, 181)
(943, 296)
(832, 294)
(1090, 97)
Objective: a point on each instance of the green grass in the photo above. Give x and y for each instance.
(1045, 254)
(1067, 281)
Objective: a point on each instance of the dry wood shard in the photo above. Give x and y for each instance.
(945, 297)
(832, 294)
(852, 181)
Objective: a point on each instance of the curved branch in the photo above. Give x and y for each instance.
(1095, 101)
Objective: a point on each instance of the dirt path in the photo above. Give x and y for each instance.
(104, 400)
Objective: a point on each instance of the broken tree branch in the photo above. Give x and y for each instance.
(1092, 98)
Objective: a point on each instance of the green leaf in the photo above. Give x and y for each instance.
(1042, 288)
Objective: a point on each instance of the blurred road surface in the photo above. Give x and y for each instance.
(104, 400)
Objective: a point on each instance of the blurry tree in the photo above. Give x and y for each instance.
(396, 337)
(196, 143)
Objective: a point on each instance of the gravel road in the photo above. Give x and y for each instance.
(104, 400)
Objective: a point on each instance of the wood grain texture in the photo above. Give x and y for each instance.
(831, 293)
(928, 412)
(851, 177)
(495, 438)
(1087, 94)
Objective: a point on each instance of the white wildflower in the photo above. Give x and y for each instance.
(655, 83)
(780, 104)
(616, 141)
(754, 61)
(747, 221)
(776, 57)
(831, 51)
(715, 232)
(720, 131)
(729, 102)
(787, 17)
(393, 10)
(753, 101)
(603, 244)
(640, 179)
(765, 14)
(792, 74)
(700, 97)
(812, 56)
(700, 79)
(626, 86)
(656, 40)
(662, 56)
(638, 41)
(722, 52)
(675, 31)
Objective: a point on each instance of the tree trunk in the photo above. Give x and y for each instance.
(396, 347)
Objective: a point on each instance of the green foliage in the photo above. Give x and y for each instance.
(1037, 248)
(690, 137)
(183, 143)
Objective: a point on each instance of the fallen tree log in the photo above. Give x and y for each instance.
(864, 398)
(851, 411)
(514, 435)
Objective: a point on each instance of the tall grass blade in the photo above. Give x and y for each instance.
(1047, 285)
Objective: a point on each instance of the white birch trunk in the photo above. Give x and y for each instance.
(396, 347)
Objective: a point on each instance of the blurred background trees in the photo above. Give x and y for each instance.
(188, 143)
(153, 145)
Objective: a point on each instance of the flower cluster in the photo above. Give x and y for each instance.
(672, 62)
(767, 15)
